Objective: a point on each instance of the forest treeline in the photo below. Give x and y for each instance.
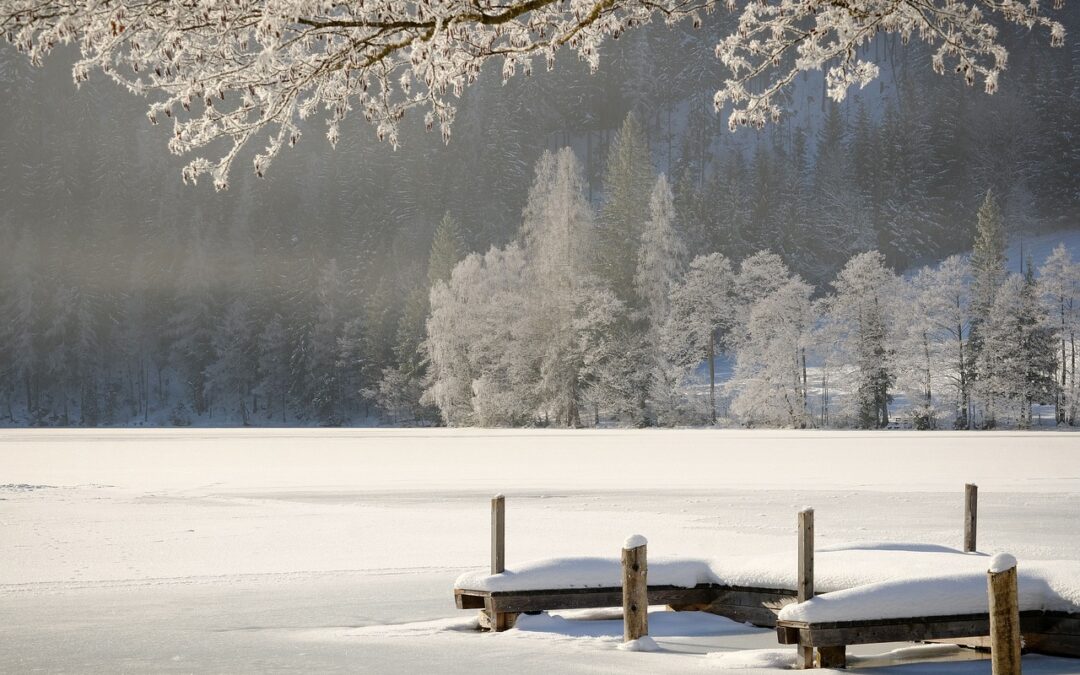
(129, 298)
(603, 318)
(589, 316)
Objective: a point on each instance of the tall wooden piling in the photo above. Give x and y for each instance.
(971, 515)
(1001, 584)
(805, 585)
(635, 589)
(498, 534)
(498, 621)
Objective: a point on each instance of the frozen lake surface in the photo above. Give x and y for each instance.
(336, 550)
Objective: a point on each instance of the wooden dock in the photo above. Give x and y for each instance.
(819, 644)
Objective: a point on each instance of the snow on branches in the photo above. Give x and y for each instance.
(229, 70)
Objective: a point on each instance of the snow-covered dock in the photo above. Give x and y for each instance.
(867, 593)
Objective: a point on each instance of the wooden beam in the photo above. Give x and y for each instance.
(635, 594)
(971, 516)
(1004, 617)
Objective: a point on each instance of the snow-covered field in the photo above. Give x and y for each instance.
(336, 550)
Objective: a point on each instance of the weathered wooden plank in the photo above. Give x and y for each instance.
(635, 590)
(1053, 644)
(971, 513)
(1004, 620)
(584, 598)
(894, 630)
(1060, 623)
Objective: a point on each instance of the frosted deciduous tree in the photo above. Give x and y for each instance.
(936, 331)
(1016, 363)
(935, 328)
(769, 382)
(255, 68)
(1059, 279)
(474, 376)
(702, 310)
(860, 307)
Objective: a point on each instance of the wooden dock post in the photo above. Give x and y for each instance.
(971, 515)
(498, 621)
(1004, 615)
(498, 534)
(805, 586)
(635, 589)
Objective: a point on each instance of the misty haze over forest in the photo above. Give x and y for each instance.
(130, 298)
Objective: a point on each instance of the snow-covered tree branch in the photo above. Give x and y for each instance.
(228, 72)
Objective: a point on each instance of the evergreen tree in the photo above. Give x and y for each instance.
(987, 257)
(988, 271)
(628, 179)
(447, 250)
(273, 369)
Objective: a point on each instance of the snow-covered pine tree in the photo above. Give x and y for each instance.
(24, 321)
(661, 263)
(274, 352)
(322, 349)
(560, 237)
(232, 374)
(191, 324)
(864, 290)
(987, 257)
(988, 272)
(447, 249)
(399, 384)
